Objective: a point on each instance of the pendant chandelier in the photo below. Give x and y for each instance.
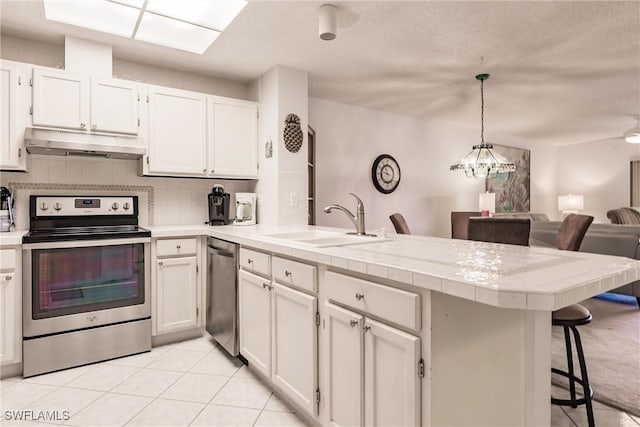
(483, 161)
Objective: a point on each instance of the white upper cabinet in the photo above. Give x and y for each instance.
(114, 106)
(233, 146)
(13, 111)
(101, 104)
(60, 99)
(177, 132)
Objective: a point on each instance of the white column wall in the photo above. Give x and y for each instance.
(282, 186)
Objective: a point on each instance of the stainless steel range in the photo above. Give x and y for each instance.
(86, 290)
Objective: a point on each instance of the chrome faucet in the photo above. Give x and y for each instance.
(358, 219)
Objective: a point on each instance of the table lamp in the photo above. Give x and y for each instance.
(570, 203)
(487, 203)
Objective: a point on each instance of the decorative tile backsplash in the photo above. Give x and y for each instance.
(162, 200)
(22, 190)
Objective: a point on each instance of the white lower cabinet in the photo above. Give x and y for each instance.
(295, 345)
(175, 287)
(254, 300)
(10, 307)
(343, 369)
(372, 371)
(278, 327)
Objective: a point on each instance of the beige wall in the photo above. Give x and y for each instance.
(52, 55)
(600, 171)
(349, 138)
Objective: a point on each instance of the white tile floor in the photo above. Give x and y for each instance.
(192, 383)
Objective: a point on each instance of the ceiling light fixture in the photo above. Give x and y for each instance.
(327, 27)
(191, 25)
(483, 161)
(632, 136)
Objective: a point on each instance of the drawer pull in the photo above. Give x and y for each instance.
(267, 286)
(7, 277)
(353, 323)
(177, 246)
(359, 296)
(249, 261)
(160, 264)
(287, 273)
(366, 328)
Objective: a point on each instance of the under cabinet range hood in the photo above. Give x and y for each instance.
(68, 143)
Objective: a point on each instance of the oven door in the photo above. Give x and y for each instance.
(75, 285)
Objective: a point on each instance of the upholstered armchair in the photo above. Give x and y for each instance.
(624, 216)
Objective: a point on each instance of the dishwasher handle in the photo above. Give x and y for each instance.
(220, 252)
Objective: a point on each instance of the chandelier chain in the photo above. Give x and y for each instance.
(482, 111)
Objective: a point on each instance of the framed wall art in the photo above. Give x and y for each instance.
(513, 189)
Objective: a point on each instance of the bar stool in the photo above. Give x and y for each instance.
(570, 317)
(569, 238)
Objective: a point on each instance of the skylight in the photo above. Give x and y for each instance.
(189, 25)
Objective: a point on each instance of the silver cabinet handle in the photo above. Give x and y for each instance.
(204, 170)
(287, 273)
(8, 277)
(160, 264)
(359, 296)
(177, 246)
(83, 126)
(267, 286)
(249, 261)
(353, 323)
(213, 170)
(366, 328)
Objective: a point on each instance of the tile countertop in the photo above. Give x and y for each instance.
(519, 277)
(12, 238)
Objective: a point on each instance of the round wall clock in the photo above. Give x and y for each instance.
(385, 173)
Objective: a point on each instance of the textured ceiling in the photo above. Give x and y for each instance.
(562, 72)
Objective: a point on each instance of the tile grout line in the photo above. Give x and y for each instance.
(153, 399)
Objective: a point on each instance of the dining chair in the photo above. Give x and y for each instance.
(569, 238)
(460, 224)
(399, 223)
(511, 231)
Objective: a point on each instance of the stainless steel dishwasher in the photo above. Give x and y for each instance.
(222, 293)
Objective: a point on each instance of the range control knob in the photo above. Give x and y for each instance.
(126, 206)
(57, 206)
(44, 206)
(114, 206)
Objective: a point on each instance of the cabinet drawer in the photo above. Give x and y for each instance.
(255, 261)
(8, 259)
(396, 305)
(173, 247)
(294, 273)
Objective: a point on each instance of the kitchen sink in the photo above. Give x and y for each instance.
(321, 238)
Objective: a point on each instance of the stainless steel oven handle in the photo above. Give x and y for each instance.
(86, 243)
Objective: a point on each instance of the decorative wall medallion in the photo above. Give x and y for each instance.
(293, 135)
(268, 149)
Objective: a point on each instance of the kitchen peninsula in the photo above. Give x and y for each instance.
(411, 330)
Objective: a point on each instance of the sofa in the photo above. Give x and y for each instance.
(607, 239)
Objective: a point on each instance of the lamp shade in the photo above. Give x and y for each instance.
(571, 203)
(487, 202)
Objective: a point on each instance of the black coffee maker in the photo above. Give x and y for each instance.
(218, 206)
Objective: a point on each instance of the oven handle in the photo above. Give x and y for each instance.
(86, 243)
